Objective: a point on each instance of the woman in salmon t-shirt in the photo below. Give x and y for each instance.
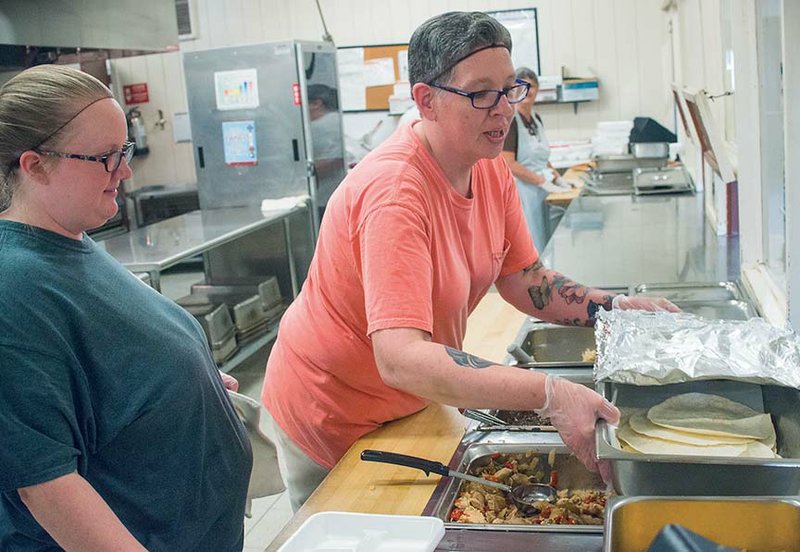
(410, 242)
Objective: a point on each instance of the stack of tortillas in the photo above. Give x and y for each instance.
(699, 424)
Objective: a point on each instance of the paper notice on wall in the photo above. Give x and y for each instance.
(239, 142)
(236, 89)
(352, 87)
(379, 72)
(402, 64)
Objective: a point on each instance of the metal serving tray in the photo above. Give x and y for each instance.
(625, 163)
(714, 291)
(553, 345)
(661, 181)
(571, 474)
(615, 183)
(719, 310)
(769, 523)
(660, 475)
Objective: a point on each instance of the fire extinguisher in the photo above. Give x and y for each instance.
(137, 132)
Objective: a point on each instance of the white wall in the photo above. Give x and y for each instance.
(625, 43)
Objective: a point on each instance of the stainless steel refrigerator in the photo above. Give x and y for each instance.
(266, 123)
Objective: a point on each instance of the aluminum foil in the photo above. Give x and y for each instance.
(658, 348)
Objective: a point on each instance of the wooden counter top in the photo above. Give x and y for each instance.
(434, 433)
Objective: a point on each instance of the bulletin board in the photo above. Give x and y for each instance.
(367, 75)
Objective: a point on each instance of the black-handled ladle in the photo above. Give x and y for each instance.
(526, 495)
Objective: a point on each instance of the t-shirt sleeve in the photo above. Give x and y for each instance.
(393, 252)
(521, 252)
(38, 422)
(510, 144)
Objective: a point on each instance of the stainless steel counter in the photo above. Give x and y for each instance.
(616, 241)
(159, 246)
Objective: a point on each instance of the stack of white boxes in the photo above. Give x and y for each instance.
(611, 137)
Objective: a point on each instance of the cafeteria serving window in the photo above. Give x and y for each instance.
(769, 159)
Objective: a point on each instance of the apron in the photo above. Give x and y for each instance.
(533, 152)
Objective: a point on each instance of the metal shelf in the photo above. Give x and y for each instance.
(245, 353)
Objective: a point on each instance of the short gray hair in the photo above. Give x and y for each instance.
(35, 106)
(442, 41)
(528, 75)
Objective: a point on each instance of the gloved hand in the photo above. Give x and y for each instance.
(623, 302)
(230, 383)
(573, 410)
(553, 188)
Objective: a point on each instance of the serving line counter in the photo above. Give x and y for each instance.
(607, 241)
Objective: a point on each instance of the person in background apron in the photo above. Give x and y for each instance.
(527, 152)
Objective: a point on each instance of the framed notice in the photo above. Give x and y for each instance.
(239, 143)
(236, 89)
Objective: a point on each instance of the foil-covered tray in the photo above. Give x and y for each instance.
(673, 475)
(658, 348)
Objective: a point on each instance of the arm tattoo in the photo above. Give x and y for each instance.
(465, 359)
(534, 267)
(594, 307)
(569, 291)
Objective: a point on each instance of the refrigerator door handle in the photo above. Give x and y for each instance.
(296, 149)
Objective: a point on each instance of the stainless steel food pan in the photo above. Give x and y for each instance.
(612, 183)
(624, 163)
(552, 345)
(764, 523)
(248, 314)
(270, 293)
(228, 294)
(648, 150)
(713, 291)
(719, 310)
(571, 474)
(662, 475)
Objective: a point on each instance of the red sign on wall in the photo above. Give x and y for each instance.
(135, 93)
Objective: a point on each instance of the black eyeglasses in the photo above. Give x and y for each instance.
(111, 160)
(487, 99)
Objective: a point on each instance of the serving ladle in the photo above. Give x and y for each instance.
(522, 495)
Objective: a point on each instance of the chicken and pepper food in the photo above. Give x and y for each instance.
(522, 418)
(480, 504)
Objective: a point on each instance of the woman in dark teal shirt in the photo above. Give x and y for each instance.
(117, 431)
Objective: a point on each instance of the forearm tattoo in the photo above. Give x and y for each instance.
(548, 291)
(465, 359)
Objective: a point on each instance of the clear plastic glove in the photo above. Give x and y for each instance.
(573, 410)
(553, 188)
(623, 302)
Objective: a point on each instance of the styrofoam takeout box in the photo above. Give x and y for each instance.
(351, 532)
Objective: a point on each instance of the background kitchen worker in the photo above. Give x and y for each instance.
(527, 152)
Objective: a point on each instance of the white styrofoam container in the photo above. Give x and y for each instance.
(352, 532)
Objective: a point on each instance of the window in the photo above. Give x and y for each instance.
(770, 68)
